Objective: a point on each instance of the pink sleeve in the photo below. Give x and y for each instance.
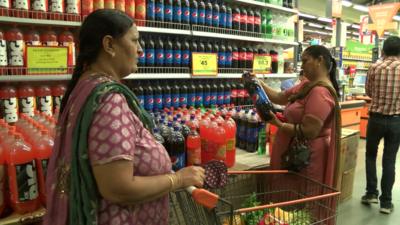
(319, 103)
(295, 88)
(112, 134)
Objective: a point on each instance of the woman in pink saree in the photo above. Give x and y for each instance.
(106, 167)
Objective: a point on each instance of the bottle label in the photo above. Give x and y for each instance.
(191, 99)
(158, 101)
(243, 18)
(3, 53)
(183, 100)
(27, 105)
(222, 19)
(185, 57)
(16, 53)
(257, 20)
(141, 100)
(227, 98)
(45, 104)
(186, 14)
(221, 152)
(229, 58)
(222, 57)
(229, 20)
(230, 145)
(177, 13)
(194, 156)
(160, 11)
(178, 55)
(169, 56)
(250, 19)
(236, 17)
(9, 110)
(151, 11)
(194, 15)
(234, 93)
(26, 181)
(216, 18)
(142, 58)
(202, 14)
(166, 101)
(160, 55)
(209, 15)
(56, 101)
(168, 11)
(149, 100)
(149, 55)
(249, 56)
(242, 56)
(175, 101)
(199, 99)
(178, 161)
(235, 56)
(241, 93)
(220, 98)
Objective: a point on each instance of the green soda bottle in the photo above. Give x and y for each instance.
(262, 140)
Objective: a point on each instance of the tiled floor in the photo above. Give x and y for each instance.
(352, 212)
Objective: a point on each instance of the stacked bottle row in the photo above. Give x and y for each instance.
(24, 153)
(27, 99)
(13, 45)
(176, 52)
(156, 95)
(277, 26)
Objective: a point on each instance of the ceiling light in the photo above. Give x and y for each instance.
(360, 8)
(346, 3)
(307, 16)
(355, 33)
(323, 19)
(356, 26)
(397, 18)
(387, 33)
(328, 28)
(315, 25)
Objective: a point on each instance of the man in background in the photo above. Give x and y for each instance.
(383, 86)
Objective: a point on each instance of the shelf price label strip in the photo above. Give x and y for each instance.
(46, 60)
(262, 64)
(204, 64)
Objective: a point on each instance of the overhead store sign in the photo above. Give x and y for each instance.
(334, 8)
(205, 64)
(357, 47)
(382, 16)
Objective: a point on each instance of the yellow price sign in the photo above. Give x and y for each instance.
(262, 63)
(46, 60)
(204, 64)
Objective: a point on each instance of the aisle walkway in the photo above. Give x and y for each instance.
(352, 212)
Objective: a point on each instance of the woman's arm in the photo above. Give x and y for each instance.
(116, 183)
(275, 96)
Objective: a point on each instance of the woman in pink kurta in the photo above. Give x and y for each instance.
(315, 111)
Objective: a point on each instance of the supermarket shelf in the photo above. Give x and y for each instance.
(366, 69)
(16, 78)
(13, 20)
(28, 218)
(268, 6)
(163, 30)
(242, 38)
(140, 76)
(360, 60)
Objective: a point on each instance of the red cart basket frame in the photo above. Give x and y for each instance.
(271, 197)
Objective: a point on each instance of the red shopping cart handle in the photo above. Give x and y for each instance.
(203, 197)
(257, 171)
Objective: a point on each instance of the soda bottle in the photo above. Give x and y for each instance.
(177, 11)
(250, 20)
(166, 130)
(140, 94)
(66, 39)
(150, 53)
(269, 26)
(229, 18)
(234, 93)
(44, 100)
(183, 95)
(242, 130)
(168, 11)
(243, 19)
(221, 94)
(110, 4)
(49, 38)
(8, 104)
(151, 10)
(177, 53)
(215, 14)
(158, 96)
(193, 122)
(252, 133)
(206, 94)
(217, 142)
(185, 11)
(274, 61)
(193, 147)
(249, 57)
(215, 47)
(257, 21)
(222, 16)
(26, 100)
(74, 6)
(20, 8)
(213, 94)
(201, 47)
(262, 139)
(142, 55)
(241, 94)
(229, 56)
(97, 4)
(236, 23)
(185, 130)
(166, 93)
(22, 180)
(209, 47)
(242, 57)
(199, 94)
(209, 13)
(57, 92)
(204, 126)
(222, 56)
(159, 50)
(42, 148)
(230, 129)
(130, 9)
(185, 53)
(157, 135)
(191, 101)
(235, 57)
(32, 38)
(264, 23)
(3, 54)
(175, 95)
(194, 12)
(15, 50)
(227, 93)
(169, 53)
(259, 97)
(148, 97)
(160, 10)
(202, 13)
(176, 148)
(140, 12)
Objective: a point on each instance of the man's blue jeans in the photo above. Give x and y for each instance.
(388, 128)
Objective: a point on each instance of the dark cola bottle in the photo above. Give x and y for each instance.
(258, 95)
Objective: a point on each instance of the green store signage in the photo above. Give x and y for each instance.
(357, 47)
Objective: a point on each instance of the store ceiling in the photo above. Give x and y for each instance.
(350, 15)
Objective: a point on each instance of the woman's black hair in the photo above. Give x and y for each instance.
(96, 25)
(330, 63)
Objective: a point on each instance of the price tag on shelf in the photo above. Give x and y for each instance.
(46, 60)
(262, 64)
(205, 64)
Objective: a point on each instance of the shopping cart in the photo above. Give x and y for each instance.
(260, 198)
